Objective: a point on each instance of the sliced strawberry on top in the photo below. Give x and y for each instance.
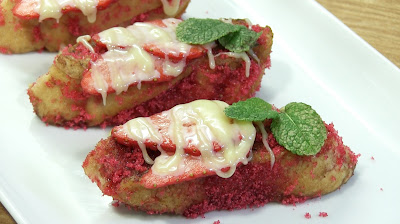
(194, 168)
(195, 52)
(119, 134)
(27, 9)
(88, 83)
(161, 123)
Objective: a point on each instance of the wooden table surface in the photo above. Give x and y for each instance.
(376, 21)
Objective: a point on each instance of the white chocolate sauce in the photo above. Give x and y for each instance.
(253, 55)
(211, 58)
(265, 142)
(85, 41)
(208, 124)
(53, 8)
(171, 8)
(140, 130)
(127, 62)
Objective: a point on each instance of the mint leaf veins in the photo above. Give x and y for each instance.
(235, 38)
(297, 127)
(239, 41)
(253, 109)
(202, 31)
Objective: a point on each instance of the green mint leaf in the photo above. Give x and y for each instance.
(253, 109)
(299, 129)
(239, 41)
(202, 31)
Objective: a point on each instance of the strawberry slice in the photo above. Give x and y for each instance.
(195, 52)
(26, 9)
(119, 134)
(194, 168)
(87, 81)
(162, 123)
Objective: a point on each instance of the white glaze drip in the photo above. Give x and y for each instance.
(265, 142)
(85, 41)
(53, 8)
(171, 9)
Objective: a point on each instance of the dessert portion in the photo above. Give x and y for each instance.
(193, 159)
(123, 73)
(30, 25)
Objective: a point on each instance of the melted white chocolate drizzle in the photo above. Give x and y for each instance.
(171, 7)
(126, 60)
(208, 124)
(53, 8)
(265, 142)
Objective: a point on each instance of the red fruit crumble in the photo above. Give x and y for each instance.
(323, 214)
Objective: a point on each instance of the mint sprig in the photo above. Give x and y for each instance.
(253, 109)
(235, 38)
(297, 127)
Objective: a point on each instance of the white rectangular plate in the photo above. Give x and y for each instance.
(315, 59)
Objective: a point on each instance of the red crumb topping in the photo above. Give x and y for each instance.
(73, 26)
(341, 149)
(372, 158)
(2, 19)
(37, 34)
(216, 222)
(307, 215)
(80, 52)
(115, 204)
(381, 189)
(323, 214)
(123, 164)
(143, 17)
(17, 26)
(5, 50)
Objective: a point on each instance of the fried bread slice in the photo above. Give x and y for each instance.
(118, 166)
(63, 96)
